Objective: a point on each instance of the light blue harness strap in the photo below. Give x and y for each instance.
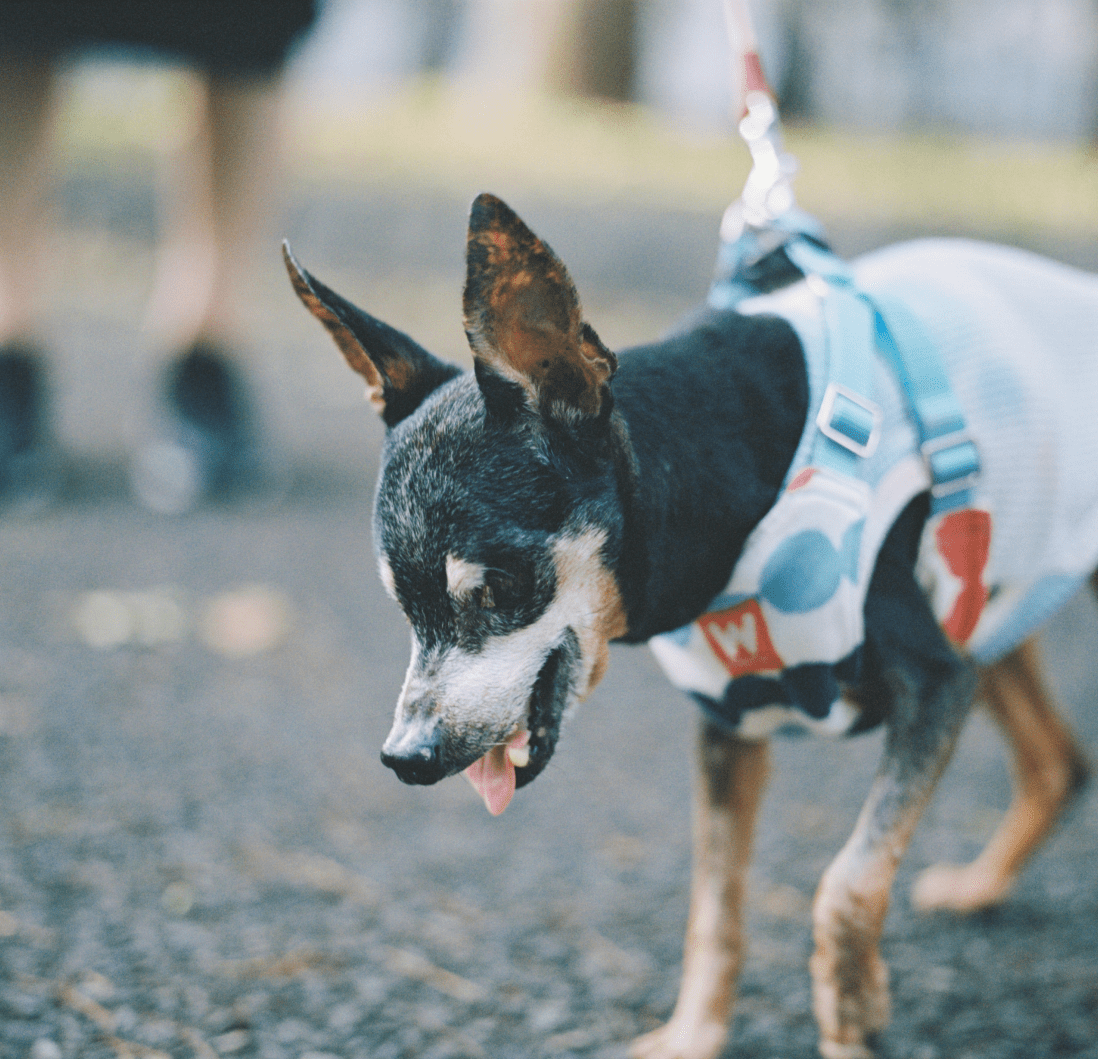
(944, 442)
(752, 262)
(946, 445)
(815, 260)
(849, 421)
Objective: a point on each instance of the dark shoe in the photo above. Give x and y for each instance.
(29, 466)
(209, 446)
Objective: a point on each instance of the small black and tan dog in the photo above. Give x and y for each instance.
(559, 498)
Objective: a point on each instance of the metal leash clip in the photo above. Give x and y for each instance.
(768, 192)
(758, 225)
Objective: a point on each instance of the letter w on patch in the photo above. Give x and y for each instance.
(740, 639)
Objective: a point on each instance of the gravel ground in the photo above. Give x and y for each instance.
(201, 854)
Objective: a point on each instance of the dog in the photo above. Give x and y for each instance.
(560, 497)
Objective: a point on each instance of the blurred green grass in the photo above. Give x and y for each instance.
(431, 135)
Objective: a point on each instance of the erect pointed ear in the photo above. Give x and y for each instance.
(399, 373)
(524, 322)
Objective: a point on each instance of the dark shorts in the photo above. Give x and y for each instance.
(248, 37)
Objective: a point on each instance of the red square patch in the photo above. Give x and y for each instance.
(740, 639)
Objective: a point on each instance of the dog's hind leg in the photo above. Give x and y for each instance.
(1049, 769)
(731, 777)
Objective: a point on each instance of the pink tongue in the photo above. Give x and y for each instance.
(493, 776)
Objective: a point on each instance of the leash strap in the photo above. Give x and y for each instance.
(768, 243)
(744, 43)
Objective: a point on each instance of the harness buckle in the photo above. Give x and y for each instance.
(953, 461)
(850, 420)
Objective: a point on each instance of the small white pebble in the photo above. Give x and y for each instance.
(233, 1041)
(9, 925)
(102, 620)
(289, 1031)
(178, 898)
(157, 617)
(44, 1048)
(343, 1017)
(96, 986)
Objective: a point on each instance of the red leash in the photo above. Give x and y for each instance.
(768, 193)
(745, 47)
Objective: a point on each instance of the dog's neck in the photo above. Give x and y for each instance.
(713, 417)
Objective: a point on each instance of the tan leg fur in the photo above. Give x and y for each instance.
(731, 777)
(849, 979)
(1049, 770)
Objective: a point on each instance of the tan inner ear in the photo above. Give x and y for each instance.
(531, 330)
(344, 339)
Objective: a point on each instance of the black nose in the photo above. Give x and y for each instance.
(421, 763)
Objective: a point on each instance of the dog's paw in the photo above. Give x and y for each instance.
(851, 1005)
(957, 888)
(677, 1040)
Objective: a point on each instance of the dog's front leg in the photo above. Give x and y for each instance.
(731, 777)
(849, 979)
(913, 676)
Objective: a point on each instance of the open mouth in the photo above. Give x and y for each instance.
(547, 702)
(514, 763)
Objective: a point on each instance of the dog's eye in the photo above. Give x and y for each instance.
(498, 590)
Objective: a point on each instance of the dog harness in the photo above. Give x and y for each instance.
(960, 369)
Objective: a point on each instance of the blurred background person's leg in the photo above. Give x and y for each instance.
(217, 210)
(25, 120)
(218, 206)
(218, 196)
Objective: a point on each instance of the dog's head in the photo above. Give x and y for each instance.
(496, 521)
